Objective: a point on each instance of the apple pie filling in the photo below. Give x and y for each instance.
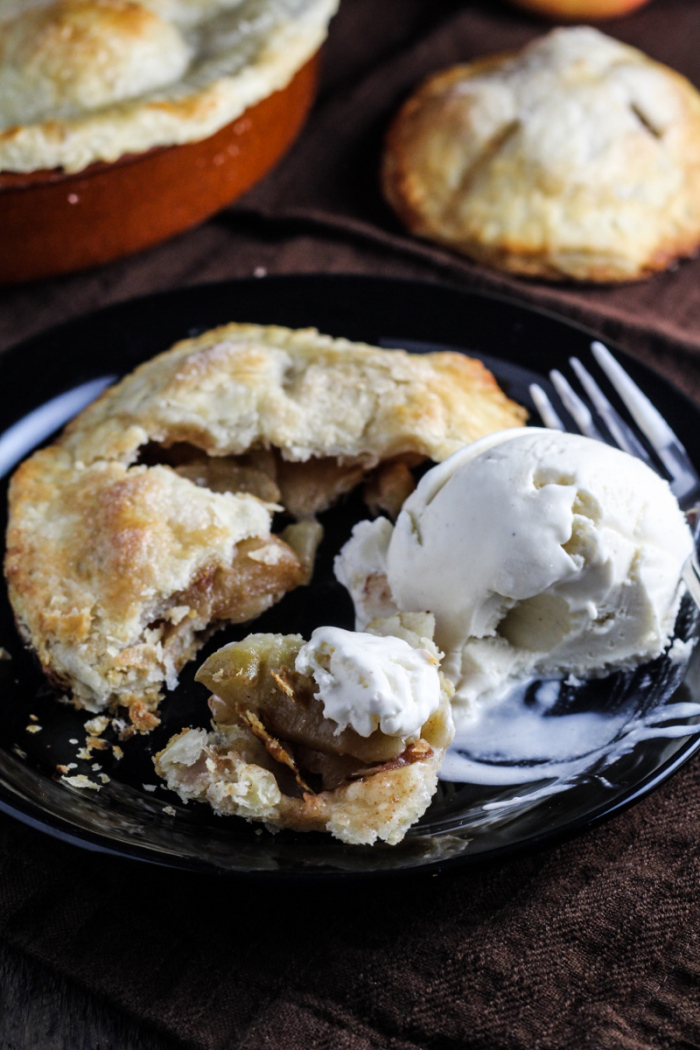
(276, 756)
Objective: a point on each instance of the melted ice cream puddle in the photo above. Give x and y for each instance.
(522, 739)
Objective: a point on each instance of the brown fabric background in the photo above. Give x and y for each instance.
(592, 944)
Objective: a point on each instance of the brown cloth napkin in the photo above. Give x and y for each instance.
(591, 944)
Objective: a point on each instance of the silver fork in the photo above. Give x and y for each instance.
(684, 479)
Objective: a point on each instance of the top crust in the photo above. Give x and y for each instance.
(577, 158)
(243, 386)
(89, 80)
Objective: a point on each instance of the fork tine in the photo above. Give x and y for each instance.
(545, 408)
(576, 408)
(623, 435)
(649, 420)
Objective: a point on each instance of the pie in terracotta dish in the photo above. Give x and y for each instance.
(275, 754)
(577, 158)
(153, 519)
(123, 122)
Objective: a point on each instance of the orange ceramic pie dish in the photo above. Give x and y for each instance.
(133, 145)
(54, 223)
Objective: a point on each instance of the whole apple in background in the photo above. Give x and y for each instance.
(579, 10)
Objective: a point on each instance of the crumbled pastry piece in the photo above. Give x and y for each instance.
(275, 756)
(146, 526)
(89, 80)
(96, 726)
(577, 158)
(80, 781)
(96, 743)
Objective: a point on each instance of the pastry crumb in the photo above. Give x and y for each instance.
(149, 787)
(81, 781)
(96, 743)
(170, 811)
(18, 751)
(33, 729)
(96, 726)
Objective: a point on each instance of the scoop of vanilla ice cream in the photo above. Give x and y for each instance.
(538, 552)
(371, 682)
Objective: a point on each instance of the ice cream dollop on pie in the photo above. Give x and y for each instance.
(343, 734)
(93, 80)
(149, 523)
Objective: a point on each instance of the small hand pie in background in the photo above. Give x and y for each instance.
(578, 158)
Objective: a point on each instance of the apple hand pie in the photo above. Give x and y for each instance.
(148, 523)
(575, 158)
(276, 753)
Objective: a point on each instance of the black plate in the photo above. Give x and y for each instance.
(465, 824)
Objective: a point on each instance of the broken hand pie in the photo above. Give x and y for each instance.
(148, 523)
(276, 753)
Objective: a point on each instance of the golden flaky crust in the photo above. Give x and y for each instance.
(116, 575)
(578, 158)
(88, 80)
(244, 767)
(147, 524)
(244, 386)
